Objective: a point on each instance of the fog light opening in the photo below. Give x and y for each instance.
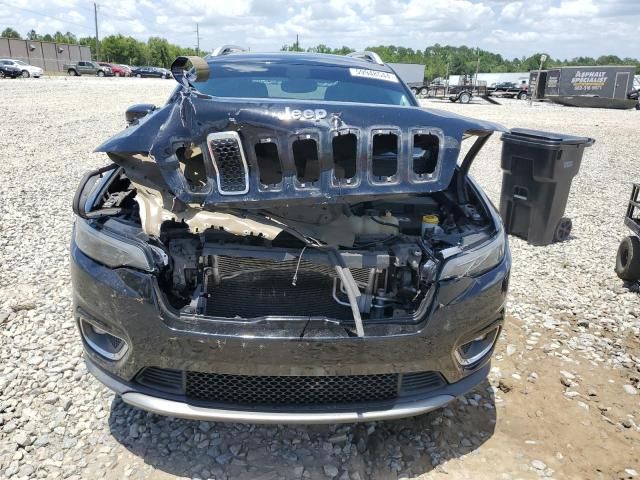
(102, 342)
(471, 353)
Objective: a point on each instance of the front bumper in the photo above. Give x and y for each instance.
(133, 396)
(128, 304)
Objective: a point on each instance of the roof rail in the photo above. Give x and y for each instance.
(371, 57)
(226, 50)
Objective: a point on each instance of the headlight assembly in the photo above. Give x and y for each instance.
(109, 249)
(476, 261)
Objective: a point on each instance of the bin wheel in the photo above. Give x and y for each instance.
(563, 229)
(628, 259)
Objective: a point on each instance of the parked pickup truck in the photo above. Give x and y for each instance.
(509, 89)
(87, 68)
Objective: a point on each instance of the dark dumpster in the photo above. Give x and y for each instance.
(538, 168)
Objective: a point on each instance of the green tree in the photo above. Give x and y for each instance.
(32, 35)
(160, 52)
(10, 33)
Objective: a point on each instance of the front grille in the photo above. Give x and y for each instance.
(230, 165)
(416, 382)
(291, 390)
(277, 391)
(250, 287)
(163, 379)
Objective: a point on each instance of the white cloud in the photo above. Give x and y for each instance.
(563, 28)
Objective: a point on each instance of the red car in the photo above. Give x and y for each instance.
(117, 70)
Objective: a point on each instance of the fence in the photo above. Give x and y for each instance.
(47, 55)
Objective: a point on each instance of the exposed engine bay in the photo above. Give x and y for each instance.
(347, 217)
(375, 260)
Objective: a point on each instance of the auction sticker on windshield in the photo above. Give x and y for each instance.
(365, 73)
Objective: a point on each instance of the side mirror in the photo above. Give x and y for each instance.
(138, 111)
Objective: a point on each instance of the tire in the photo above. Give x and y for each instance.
(72, 73)
(464, 97)
(25, 74)
(100, 73)
(628, 259)
(117, 74)
(1, 74)
(414, 91)
(138, 75)
(523, 96)
(563, 230)
(423, 91)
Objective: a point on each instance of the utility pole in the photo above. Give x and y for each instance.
(297, 43)
(477, 65)
(197, 39)
(95, 15)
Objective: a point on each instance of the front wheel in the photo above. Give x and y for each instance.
(523, 96)
(464, 97)
(101, 73)
(25, 74)
(138, 75)
(628, 259)
(1, 74)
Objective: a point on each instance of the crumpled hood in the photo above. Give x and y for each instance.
(149, 149)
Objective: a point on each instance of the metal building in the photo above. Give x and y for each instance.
(49, 56)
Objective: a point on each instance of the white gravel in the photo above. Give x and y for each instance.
(568, 307)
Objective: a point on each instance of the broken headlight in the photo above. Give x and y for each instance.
(108, 249)
(476, 261)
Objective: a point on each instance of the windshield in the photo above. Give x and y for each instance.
(303, 82)
(20, 62)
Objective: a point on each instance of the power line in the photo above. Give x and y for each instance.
(84, 27)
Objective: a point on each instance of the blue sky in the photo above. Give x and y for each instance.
(563, 28)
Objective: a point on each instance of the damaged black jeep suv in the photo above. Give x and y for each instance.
(290, 239)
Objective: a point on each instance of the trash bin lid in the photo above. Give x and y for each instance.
(541, 138)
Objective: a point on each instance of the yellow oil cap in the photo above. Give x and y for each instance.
(433, 219)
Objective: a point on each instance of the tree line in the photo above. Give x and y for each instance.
(439, 60)
(444, 60)
(156, 51)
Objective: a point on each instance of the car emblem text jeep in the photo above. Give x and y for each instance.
(308, 114)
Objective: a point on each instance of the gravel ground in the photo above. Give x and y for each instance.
(562, 400)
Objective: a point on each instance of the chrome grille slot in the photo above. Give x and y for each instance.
(229, 162)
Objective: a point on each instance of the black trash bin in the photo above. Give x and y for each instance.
(538, 168)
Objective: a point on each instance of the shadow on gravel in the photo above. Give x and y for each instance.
(375, 451)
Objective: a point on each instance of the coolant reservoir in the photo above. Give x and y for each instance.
(385, 224)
